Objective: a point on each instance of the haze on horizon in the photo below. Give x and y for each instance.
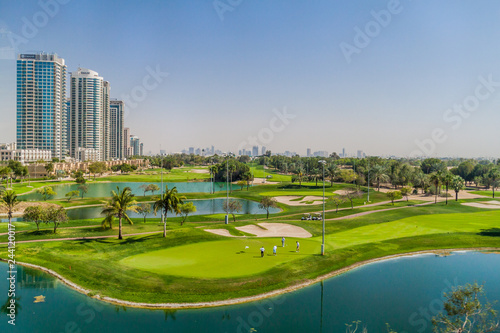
(378, 76)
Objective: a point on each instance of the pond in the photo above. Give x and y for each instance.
(405, 292)
(203, 207)
(99, 190)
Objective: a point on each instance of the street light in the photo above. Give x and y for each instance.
(226, 218)
(323, 217)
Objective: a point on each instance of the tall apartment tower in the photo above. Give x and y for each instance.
(127, 151)
(106, 122)
(117, 135)
(41, 108)
(87, 113)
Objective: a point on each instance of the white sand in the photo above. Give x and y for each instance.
(486, 204)
(198, 171)
(275, 230)
(220, 232)
(287, 200)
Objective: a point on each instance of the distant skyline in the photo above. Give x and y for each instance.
(385, 77)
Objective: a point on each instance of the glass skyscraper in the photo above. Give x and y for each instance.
(41, 107)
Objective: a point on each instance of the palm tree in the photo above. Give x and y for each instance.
(117, 206)
(332, 171)
(168, 202)
(9, 201)
(436, 178)
(232, 168)
(447, 179)
(457, 184)
(378, 174)
(494, 175)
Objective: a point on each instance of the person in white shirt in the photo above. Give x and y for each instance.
(275, 248)
(262, 251)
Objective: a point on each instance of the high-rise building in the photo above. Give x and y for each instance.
(255, 151)
(135, 144)
(106, 122)
(87, 112)
(41, 107)
(309, 152)
(126, 142)
(117, 143)
(263, 150)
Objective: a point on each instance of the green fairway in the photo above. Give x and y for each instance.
(415, 226)
(154, 175)
(222, 259)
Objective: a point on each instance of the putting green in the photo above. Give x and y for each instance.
(222, 259)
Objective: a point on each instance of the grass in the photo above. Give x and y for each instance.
(485, 193)
(191, 265)
(220, 259)
(258, 172)
(154, 175)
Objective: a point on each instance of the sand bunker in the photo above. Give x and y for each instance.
(220, 232)
(486, 204)
(287, 200)
(198, 171)
(275, 230)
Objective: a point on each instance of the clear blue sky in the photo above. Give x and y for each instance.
(227, 76)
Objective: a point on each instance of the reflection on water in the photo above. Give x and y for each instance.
(384, 292)
(100, 190)
(203, 207)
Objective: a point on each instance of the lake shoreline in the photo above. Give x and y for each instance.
(247, 299)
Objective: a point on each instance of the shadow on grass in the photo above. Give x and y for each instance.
(494, 232)
(42, 232)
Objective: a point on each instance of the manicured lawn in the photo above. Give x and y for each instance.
(154, 175)
(486, 193)
(191, 265)
(258, 172)
(221, 259)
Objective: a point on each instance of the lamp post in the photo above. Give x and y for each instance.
(226, 218)
(323, 217)
(162, 214)
(368, 196)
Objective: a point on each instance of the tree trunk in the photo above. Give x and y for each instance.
(268, 213)
(456, 195)
(55, 227)
(493, 191)
(446, 194)
(165, 226)
(120, 227)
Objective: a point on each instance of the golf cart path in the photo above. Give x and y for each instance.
(82, 238)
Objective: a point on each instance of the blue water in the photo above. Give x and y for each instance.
(203, 207)
(404, 292)
(99, 190)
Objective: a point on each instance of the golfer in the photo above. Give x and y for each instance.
(298, 247)
(282, 241)
(275, 248)
(262, 251)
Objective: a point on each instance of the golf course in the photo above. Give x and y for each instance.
(202, 260)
